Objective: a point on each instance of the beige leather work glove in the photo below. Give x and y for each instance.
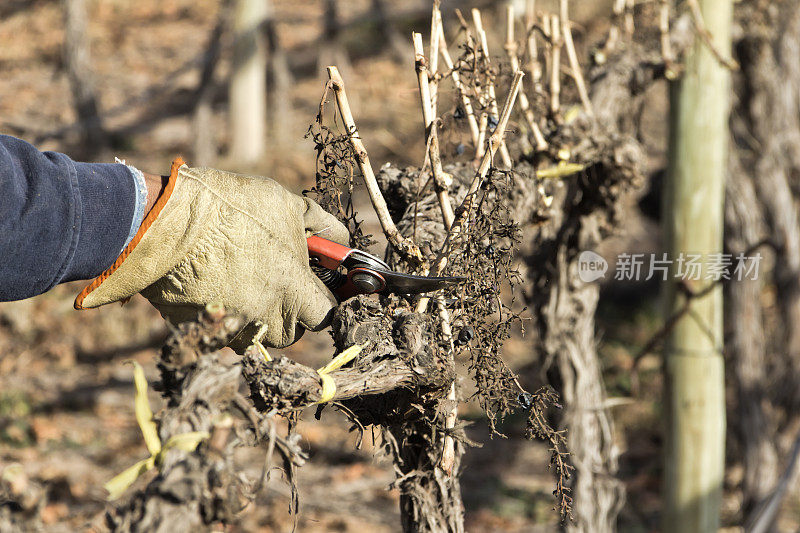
(215, 236)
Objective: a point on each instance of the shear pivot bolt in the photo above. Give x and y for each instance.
(366, 282)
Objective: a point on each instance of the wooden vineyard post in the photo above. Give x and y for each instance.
(248, 84)
(695, 392)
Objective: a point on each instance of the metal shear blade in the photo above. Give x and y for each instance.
(410, 284)
(366, 274)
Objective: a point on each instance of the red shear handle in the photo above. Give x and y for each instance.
(329, 254)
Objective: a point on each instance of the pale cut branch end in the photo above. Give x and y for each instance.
(555, 70)
(440, 177)
(577, 74)
(511, 50)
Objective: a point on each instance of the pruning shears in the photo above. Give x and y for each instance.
(366, 274)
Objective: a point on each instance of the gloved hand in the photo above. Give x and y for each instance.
(215, 236)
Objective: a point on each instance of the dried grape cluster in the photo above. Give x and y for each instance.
(484, 307)
(487, 312)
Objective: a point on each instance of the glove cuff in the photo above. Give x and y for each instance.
(89, 297)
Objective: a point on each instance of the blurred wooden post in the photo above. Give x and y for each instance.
(204, 145)
(279, 99)
(248, 84)
(695, 392)
(77, 61)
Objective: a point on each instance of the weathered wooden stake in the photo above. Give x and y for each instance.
(695, 393)
(248, 84)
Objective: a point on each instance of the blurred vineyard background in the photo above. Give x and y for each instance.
(66, 410)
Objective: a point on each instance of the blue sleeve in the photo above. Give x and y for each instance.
(59, 220)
